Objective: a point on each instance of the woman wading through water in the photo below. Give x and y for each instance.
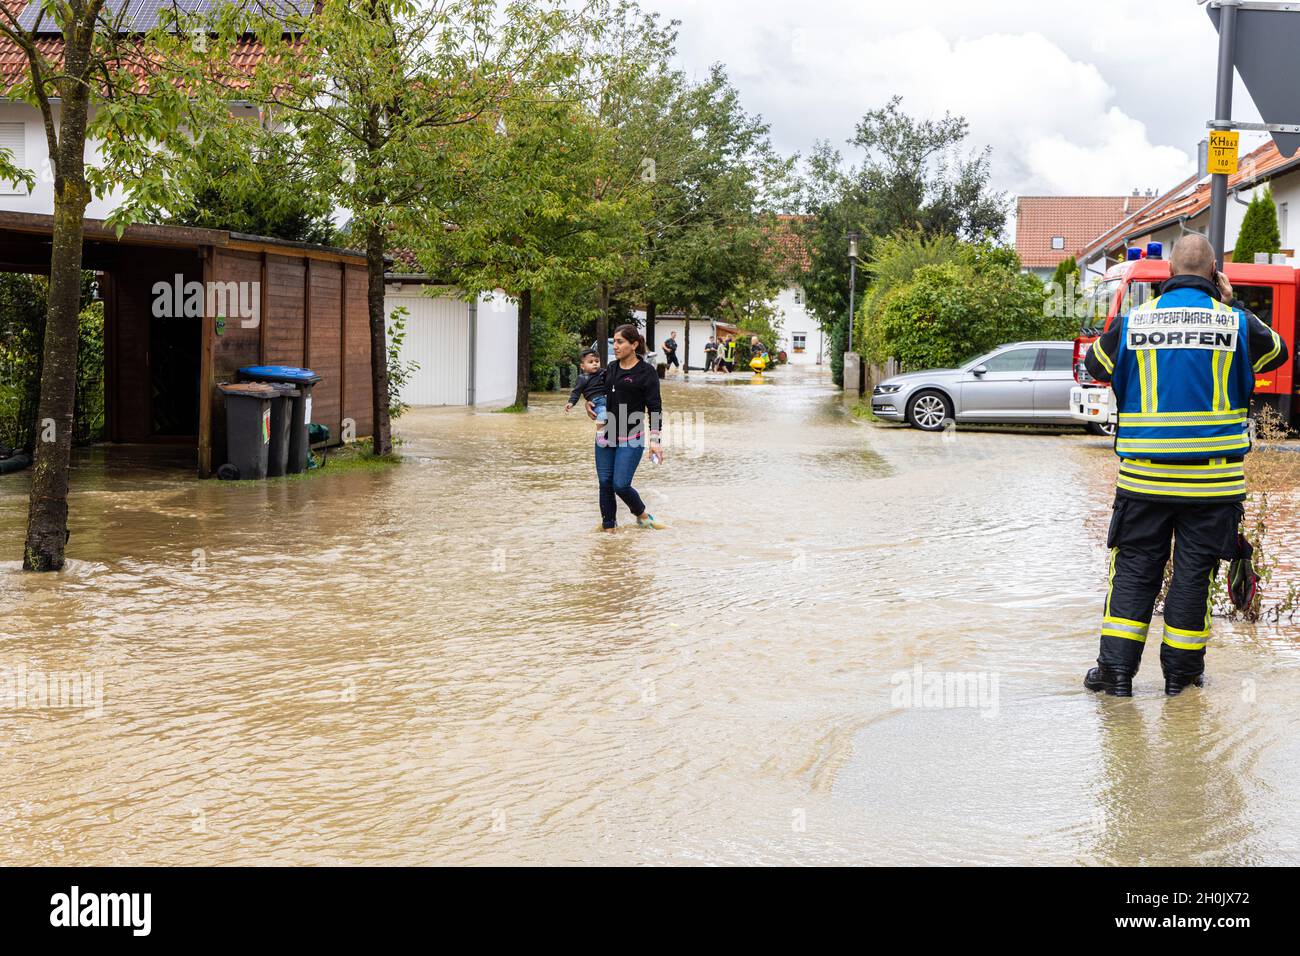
(634, 413)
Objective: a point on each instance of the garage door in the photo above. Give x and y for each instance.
(437, 337)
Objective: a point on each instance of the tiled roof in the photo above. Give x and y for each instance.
(14, 66)
(1118, 232)
(1077, 219)
(1190, 198)
(1257, 166)
(789, 245)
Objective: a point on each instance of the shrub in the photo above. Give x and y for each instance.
(399, 372)
(951, 312)
(1259, 232)
(22, 334)
(88, 417)
(894, 262)
(22, 341)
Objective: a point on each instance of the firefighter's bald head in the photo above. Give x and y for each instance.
(1192, 255)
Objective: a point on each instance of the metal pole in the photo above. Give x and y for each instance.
(853, 284)
(1222, 120)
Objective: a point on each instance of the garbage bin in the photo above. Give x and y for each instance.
(248, 429)
(302, 379)
(281, 428)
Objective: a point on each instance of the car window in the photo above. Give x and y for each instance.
(1058, 360)
(1016, 360)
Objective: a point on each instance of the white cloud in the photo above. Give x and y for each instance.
(1082, 99)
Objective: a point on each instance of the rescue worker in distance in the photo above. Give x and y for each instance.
(1182, 368)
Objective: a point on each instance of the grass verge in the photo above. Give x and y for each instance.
(352, 457)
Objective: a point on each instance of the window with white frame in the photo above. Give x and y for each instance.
(1058, 242)
(798, 341)
(798, 295)
(13, 137)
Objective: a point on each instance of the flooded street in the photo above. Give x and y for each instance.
(444, 662)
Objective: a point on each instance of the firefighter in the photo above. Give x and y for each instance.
(729, 354)
(1182, 369)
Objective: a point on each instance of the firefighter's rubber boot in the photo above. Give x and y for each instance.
(1176, 685)
(1103, 679)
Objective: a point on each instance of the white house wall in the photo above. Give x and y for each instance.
(795, 319)
(701, 329)
(35, 155)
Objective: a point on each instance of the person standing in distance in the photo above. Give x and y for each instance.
(670, 351)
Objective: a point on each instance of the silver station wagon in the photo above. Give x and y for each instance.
(1019, 383)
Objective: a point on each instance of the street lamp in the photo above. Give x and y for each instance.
(853, 279)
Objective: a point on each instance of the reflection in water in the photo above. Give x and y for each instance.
(444, 663)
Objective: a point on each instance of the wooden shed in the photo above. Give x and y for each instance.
(185, 308)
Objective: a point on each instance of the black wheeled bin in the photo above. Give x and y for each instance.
(302, 380)
(281, 428)
(248, 429)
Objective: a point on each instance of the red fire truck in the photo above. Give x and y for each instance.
(1267, 290)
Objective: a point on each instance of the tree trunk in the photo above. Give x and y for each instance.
(47, 514)
(686, 348)
(525, 350)
(602, 326)
(650, 325)
(382, 435)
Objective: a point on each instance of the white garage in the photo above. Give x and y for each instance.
(466, 351)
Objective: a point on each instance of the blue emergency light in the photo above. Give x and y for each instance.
(1155, 250)
(1134, 253)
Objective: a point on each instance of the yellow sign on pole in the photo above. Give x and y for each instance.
(1223, 151)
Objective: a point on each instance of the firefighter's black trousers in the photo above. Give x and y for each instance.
(1140, 532)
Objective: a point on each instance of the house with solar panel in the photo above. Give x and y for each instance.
(22, 131)
(162, 371)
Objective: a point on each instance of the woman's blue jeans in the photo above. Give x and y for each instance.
(615, 466)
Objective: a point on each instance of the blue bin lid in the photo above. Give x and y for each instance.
(280, 373)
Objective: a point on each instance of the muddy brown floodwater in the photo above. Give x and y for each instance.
(853, 644)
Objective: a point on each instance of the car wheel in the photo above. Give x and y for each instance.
(1106, 430)
(929, 411)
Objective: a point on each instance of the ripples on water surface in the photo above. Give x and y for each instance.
(443, 663)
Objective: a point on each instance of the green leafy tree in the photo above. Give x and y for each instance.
(254, 189)
(709, 247)
(142, 99)
(1259, 232)
(538, 205)
(912, 175)
(385, 100)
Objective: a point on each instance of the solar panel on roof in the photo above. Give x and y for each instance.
(142, 15)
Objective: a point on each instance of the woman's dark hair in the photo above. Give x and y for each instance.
(630, 333)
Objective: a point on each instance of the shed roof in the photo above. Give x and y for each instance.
(103, 236)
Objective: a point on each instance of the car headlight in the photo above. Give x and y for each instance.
(885, 389)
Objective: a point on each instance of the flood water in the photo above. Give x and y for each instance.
(445, 663)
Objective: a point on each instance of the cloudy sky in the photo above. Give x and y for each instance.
(1073, 97)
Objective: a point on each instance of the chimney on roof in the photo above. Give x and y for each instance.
(1136, 192)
